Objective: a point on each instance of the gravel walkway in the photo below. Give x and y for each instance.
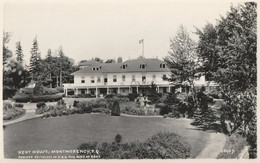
(215, 146)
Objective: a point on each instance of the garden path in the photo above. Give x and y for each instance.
(215, 146)
(30, 113)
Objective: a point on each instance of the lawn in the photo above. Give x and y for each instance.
(68, 132)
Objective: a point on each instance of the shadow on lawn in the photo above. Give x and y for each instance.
(215, 127)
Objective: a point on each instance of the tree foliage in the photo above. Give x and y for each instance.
(19, 52)
(228, 51)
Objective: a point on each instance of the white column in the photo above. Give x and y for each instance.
(158, 89)
(96, 92)
(118, 90)
(76, 91)
(137, 89)
(169, 89)
(66, 92)
(87, 91)
(107, 90)
(130, 90)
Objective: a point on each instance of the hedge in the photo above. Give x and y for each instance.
(160, 146)
(46, 98)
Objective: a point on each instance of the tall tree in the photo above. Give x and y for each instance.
(19, 52)
(34, 60)
(182, 60)
(7, 53)
(232, 44)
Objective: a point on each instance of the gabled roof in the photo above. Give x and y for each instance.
(133, 65)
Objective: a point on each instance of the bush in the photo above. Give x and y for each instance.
(22, 97)
(160, 146)
(59, 89)
(76, 103)
(8, 92)
(131, 110)
(85, 107)
(101, 110)
(132, 96)
(7, 105)
(46, 98)
(61, 102)
(116, 109)
(12, 113)
(40, 105)
(18, 105)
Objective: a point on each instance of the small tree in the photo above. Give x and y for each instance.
(115, 109)
(19, 52)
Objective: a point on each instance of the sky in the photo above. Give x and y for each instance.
(106, 29)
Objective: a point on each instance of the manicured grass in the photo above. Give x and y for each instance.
(68, 132)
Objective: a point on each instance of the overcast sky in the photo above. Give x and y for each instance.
(105, 29)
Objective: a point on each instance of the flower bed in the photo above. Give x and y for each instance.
(11, 112)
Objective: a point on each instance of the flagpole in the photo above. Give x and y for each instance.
(143, 49)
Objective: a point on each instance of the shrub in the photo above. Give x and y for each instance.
(46, 98)
(168, 145)
(22, 97)
(133, 110)
(101, 110)
(76, 103)
(7, 105)
(8, 92)
(132, 96)
(160, 146)
(61, 102)
(59, 89)
(40, 105)
(18, 105)
(12, 113)
(85, 107)
(116, 109)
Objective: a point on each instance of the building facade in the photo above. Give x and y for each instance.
(121, 78)
(131, 76)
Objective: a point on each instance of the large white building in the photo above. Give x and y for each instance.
(122, 78)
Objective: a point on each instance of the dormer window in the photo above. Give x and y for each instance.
(162, 65)
(143, 66)
(124, 66)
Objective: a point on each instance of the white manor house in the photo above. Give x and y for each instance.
(131, 76)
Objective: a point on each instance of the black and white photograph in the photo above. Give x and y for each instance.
(131, 80)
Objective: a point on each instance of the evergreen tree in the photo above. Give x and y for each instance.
(34, 60)
(19, 52)
(7, 53)
(183, 60)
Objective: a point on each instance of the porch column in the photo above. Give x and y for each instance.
(96, 92)
(66, 92)
(118, 90)
(130, 89)
(137, 89)
(158, 89)
(76, 91)
(107, 90)
(169, 89)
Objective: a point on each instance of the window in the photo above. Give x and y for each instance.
(154, 77)
(114, 78)
(97, 69)
(143, 78)
(82, 79)
(93, 68)
(124, 66)
(123, 77)
(133, 78)
(164, 77)
(105, 80)
(162, 65)
(142, 66)
(98, 79)
(92, 79)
